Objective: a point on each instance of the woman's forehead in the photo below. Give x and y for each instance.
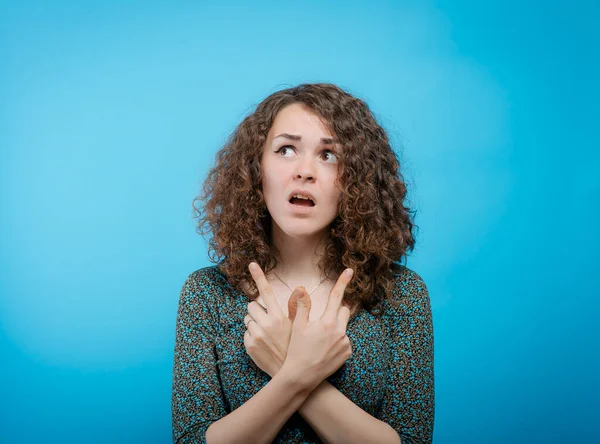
(298, 120)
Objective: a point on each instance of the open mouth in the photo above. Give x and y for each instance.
(301, 202)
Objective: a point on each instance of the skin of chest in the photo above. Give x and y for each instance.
(318, 298)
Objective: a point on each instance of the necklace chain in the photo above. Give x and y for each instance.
(309, 293)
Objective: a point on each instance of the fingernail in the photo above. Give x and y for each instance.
(349, 272)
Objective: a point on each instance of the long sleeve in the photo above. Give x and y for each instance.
(197, 399)
(408, 405)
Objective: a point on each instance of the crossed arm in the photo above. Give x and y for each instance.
(335, 418)
(332, 416)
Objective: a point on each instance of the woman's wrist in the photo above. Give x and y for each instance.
(297, 380)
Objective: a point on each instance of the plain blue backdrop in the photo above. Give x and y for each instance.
(111, 114)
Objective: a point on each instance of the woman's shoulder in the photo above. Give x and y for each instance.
(205, 281)
(409, 291)
(207, 275)
(407, 280)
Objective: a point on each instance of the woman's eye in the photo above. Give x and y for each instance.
(331, 155)
(283, 148)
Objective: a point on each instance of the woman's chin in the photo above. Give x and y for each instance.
(301, 229)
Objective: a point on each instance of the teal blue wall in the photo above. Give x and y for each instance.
(110, 116)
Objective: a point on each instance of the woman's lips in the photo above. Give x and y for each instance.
(300, 209)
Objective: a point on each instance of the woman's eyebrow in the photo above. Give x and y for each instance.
(324, 140)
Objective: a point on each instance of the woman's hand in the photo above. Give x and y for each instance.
(268, 333)
(317, 349)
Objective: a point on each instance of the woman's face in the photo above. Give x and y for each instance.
(300, 154)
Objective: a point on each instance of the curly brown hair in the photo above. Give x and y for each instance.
(373, 229)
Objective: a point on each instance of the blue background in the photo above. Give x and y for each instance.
(111, 114)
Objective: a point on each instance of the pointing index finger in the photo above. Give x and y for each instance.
(337, 295)
(264, 288)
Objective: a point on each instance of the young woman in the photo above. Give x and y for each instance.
(308, 329)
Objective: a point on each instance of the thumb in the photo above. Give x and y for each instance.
(293, 303)
(303, 307)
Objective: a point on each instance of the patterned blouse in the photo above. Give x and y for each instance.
(389, 375)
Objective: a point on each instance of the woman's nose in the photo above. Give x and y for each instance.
(305, 168)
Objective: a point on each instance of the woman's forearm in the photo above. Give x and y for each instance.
(260, 418)
(336, 419)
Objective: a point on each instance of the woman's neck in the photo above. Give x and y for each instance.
(298, 260)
